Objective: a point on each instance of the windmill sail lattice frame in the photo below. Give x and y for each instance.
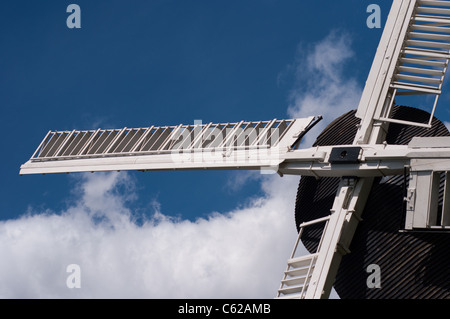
(241, 145)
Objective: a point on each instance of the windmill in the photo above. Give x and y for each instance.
(374, 187)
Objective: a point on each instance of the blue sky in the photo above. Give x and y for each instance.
(141, 63)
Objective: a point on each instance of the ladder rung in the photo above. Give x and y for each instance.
(434, 3)
(315, 221)
(431, 19)
(419, 79)
(430, 28)
(298, 271)
(428, 44)
(386, 119)
(291, 296)
(416, 88)
(303, 261)
(421, 70)
(433, 10)
(297, 281)
(291, 290)
(437, 64)
(430, 36)
(426, 53)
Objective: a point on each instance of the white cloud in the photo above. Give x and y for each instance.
(241, 254)
(322, 87)
(238, 179)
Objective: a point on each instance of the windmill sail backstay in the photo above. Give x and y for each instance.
(412, 59)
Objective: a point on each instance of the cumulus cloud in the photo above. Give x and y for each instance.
(240, 254)
(322, 87)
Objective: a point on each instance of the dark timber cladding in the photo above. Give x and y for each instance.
(413, 264)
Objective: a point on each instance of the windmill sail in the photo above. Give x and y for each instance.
(412, 59)
(241, 145)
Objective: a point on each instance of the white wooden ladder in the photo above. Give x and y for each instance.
(300, 269)
(312, 276)
(424, 56)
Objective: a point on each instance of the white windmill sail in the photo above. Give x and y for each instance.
(412, 59)
(241, 145)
